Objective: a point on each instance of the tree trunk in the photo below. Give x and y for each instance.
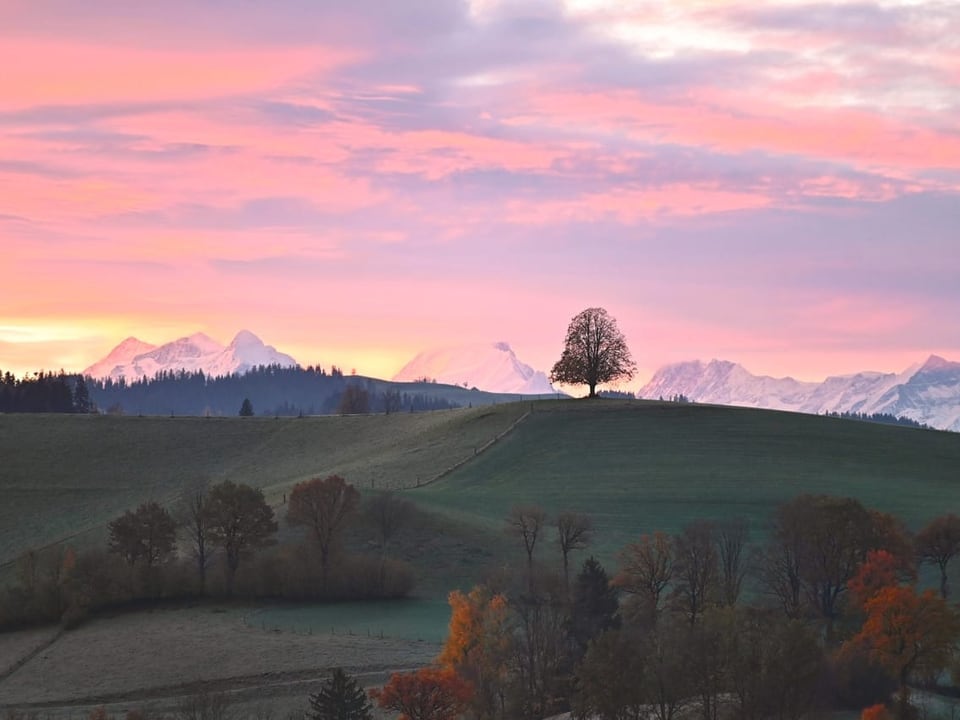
(593, 390)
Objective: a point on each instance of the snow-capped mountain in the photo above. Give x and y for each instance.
(134, 359)
(493, 367)
(121, 355)
(928, 393)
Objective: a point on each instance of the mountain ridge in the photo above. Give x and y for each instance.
(493, 367)
(928, 392)
(134, 359)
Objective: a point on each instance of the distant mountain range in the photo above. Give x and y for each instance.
(134, 359)
(928, 393)
(492, 367)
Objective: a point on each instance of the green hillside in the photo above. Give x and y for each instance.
(633, 466)
(637, 467)
(64, 475)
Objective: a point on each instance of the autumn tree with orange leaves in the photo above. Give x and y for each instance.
(880, 570)
(478, 646)
(427, 694)
(912, 635)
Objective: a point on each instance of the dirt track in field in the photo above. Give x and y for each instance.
(156, 659)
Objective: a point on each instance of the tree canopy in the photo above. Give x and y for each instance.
(238, 520)
(594, 352)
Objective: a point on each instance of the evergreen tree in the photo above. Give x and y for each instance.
(594, 606)
(81, 396)
(246, 408)
(340, 698)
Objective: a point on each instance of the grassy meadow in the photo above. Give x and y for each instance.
(634, 466)
(66, 476)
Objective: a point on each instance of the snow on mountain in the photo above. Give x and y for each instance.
(121, 355)
(133, 359)
(928, 393)
(493, 367)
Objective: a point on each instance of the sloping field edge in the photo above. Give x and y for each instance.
(477, 451)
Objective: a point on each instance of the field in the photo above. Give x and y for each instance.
(156, 659)
(639, 467)
(634, 467)
(67, 476)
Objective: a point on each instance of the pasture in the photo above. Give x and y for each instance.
(64, 477)
(636, 467)
(633, 466)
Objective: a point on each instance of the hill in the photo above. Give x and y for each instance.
(634, 466)
(66, 475)
(638, 467)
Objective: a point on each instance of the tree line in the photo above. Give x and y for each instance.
(825, 614)
(44, 392)
(882, 418)
(220, 541)
(272, 390)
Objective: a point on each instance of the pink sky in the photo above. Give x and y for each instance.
(776, 184)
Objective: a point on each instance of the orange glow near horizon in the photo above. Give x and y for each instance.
(774, 185)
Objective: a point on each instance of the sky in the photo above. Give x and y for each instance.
(772, 183)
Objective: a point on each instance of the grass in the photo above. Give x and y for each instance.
(634, 466)
(638, 467)
(424, 620)
(65, 477)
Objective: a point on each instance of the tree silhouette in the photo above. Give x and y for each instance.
(147, 534)
(240, 521)
(574, 531)
(595, 352)
(340, 698)
(938, 543)
(526, 523)
(246, 408)
(322, 505)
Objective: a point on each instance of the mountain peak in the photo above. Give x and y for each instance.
(493, 367)
(198, 352)
(928, 394)
(935, 362)
(122, 354)
(245, 338)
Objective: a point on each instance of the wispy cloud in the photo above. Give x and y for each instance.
(781, 175)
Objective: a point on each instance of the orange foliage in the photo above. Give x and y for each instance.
(428, 694)
(476, 620)
(478, 643)
(909, 634)
(875, 712)
(877, 572)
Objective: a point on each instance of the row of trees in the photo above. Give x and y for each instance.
(272, 390)
(154, 553)
(832, 618)
(44, 392)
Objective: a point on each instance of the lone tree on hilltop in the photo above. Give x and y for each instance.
(594, 352)
(246, 408)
